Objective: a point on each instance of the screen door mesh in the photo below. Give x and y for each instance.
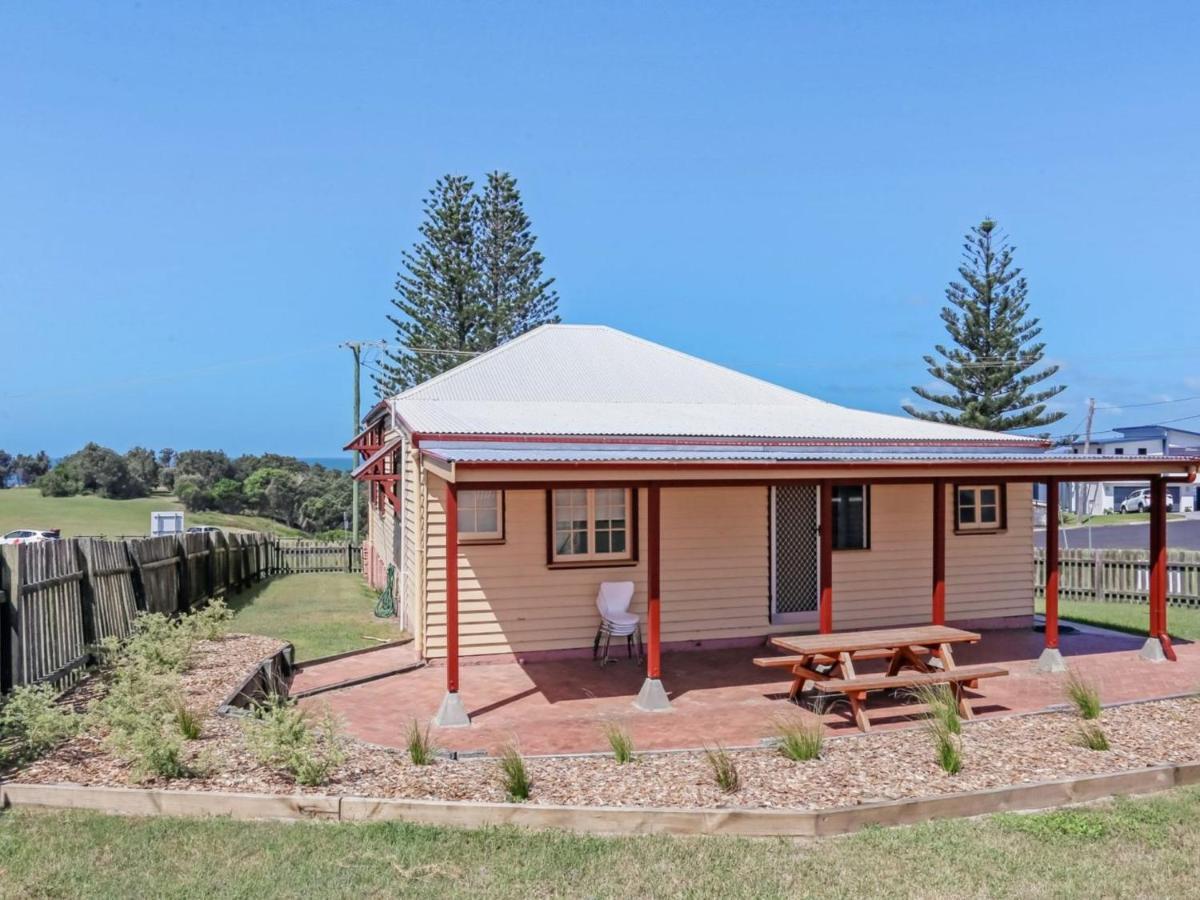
(796, 581)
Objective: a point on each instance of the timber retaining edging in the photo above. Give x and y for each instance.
(599, 819)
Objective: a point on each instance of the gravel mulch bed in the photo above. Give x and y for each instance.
(854, 769)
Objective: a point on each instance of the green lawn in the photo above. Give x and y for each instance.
(1134, 848)
(320, 614)
(87, 515)
(1113, 518)
(1131, 617)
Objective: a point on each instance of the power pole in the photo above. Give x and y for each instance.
(1081, 496)
(356, 348)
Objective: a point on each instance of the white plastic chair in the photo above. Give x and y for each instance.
(616, 620)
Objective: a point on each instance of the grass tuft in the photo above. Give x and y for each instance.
(421, 749)
(724, 769)
(800, 740)
(944, 725)
(514, 774)
(189, 722)
(1083, 695)
(620, 741)
(1092, 736)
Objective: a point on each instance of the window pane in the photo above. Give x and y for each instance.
(618, 542)
(849, 517)
(602, 542)
(966, 497)
(486, 522)
(987, 514)
(987, 496)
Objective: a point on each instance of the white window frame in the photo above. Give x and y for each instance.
(626, 555)
(977, 491)
(468, 502)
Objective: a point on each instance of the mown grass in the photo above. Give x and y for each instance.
(88, 515)
(1136, 848)
(320, 613)
(1129, 617)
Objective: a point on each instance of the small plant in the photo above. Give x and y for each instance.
(282, 734)
(1092, 736)
(33, 722)
(620, 741)
(799, 740)
(189, 722)
(944, 725)
(159, 643)
(514, 774)
(724, 769)
(1070, 823)
(155, 750)
(1083, 695)
(212, 622)
(421, 750)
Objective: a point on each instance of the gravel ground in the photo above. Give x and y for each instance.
(853, 769)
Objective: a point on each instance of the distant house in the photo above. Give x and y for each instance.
(1137, 440)
(505, 491)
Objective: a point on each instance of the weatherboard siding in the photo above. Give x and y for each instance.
(715, 571)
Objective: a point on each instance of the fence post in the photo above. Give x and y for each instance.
(86, 556)
(10, 616)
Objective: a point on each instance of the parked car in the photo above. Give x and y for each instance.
(30, 536)
(204, 529)
(1139, 501)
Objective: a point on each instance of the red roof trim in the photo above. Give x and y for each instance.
(1089, 466)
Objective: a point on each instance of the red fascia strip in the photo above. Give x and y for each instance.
(1018, 465)
(418, 438)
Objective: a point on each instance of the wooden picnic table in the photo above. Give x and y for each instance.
(916, 656)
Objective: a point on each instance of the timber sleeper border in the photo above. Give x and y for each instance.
(601, 819)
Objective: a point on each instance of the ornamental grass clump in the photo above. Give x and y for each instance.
(944, 725)
(1092, 736)
(189, 722)
(724, 769)
(1083, 696)
(620, 741)
(421, 750)
(514, 774)
(281, 734)
(32, 722)
(800, 740)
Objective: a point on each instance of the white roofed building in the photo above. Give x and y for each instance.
(507, 490)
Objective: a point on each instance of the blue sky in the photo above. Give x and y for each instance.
(198, 202)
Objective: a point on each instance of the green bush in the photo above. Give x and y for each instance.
(724, 770)
(421, 750)
(211, 622)
(514, 774)
(282, 734)
(160, 643)
(799, 740)
(620, 741)
(32, 722)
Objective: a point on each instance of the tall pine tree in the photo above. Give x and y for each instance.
(438, 293)
(472, 282)
(514, 291)
(992, 366)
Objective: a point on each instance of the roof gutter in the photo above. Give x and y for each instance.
(693, 441)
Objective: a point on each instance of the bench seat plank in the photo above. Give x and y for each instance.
(907, 679)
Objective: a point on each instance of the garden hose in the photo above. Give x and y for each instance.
(386, 607)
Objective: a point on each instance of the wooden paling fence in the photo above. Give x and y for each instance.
(58, 599)
(1120, 576)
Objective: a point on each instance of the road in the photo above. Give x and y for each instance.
(1182, 534)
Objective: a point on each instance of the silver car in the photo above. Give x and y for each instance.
(1139, 501)
(30, 536)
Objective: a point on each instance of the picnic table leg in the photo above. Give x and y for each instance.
(946, 655)
(896, 663)
(964, 704)
(800, 677)
(858, 700)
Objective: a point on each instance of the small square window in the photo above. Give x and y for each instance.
(979, 508)
(851, 517)
(480, 516)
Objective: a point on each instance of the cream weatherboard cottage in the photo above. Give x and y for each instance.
(505, 491)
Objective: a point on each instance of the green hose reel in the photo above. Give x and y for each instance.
(385, 608)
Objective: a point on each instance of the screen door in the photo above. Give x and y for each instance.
(795, 553)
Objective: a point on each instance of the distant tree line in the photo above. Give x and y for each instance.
(302, 495)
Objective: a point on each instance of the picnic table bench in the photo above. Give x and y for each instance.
(917, 657)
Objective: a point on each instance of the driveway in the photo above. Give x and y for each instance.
(1182, 534)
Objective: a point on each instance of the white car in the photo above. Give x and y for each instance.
(1139, 501)
(204, 529)
(30, 536)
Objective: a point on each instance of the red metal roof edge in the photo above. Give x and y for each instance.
(419, 437)
(1088, 465)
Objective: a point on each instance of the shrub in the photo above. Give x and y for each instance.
(421, 750)
(34, 722)
(944, 725)
(1083, 695)
(159, 643)
(211, 623)
(282, 734)
(514, 774)
(1092, 736)
(189, 722)
(154, 749)
(620, 742)
(724, 770)
(800, 740)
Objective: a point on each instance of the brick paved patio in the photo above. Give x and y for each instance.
(718, 696)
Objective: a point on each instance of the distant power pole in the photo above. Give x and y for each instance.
(356, 348)
(1081, 495)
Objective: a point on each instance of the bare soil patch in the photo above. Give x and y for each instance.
(852, 769)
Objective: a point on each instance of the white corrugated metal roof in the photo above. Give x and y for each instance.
(595, 380)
